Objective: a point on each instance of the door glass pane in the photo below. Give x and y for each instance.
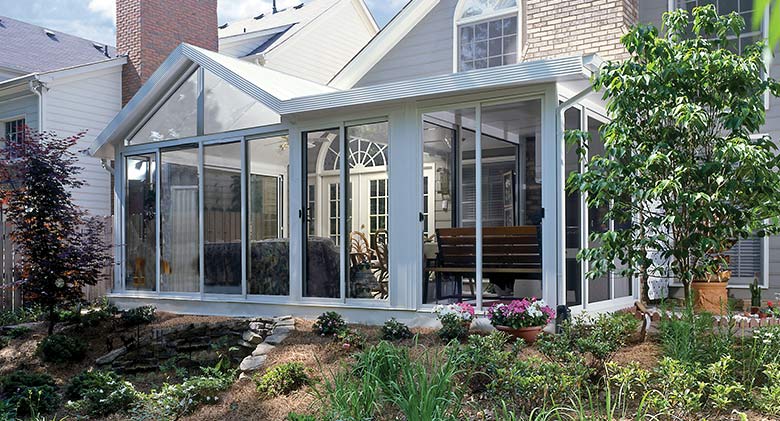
(141, 223)
(449, 252)
(323, 255)
(511, 202)
(573, 121)
(179, 220)
(368, 238)
(599, 289)
(177, 118)
(222, 218)
(269, 244)
(228, 108)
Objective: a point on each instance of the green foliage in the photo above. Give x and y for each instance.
(18, 332)
(292, 416)
(329, 323)
(30, 393)
(393, 330)
(762, 7)
(482, 357)
(100, 393)
(138, 316)
(453, 327)
(348, 397)
(688, 338)
(282, 379)
(589, 341)
(351, 340)
(61, 349)
(382, 362)
(535, 383)
(677, 390)
(680, 171)
(25, 314)
(769, 395)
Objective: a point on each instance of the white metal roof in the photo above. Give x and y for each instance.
(286, 17)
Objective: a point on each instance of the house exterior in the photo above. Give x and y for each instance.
(429, 169)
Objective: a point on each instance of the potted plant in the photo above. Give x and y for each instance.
(521, 318)
(755, 296)
(362, 281)
(455, 319)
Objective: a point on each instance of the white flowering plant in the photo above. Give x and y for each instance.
(521, 313)
(461, 311)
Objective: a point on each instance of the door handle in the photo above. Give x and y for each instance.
(422, 217)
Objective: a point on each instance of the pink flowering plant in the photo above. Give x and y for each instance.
(521, 313)
(455, 319)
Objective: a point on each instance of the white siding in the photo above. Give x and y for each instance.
(425, 51)
(23, 104)
(318, 51)
(86, 104)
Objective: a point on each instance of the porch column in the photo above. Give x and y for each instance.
(552, 227)
(405, 205)
(295, 224)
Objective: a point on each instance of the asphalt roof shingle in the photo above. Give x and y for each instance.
(29, 48)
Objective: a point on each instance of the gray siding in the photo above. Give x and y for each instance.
(425, 51)
(24, 104)
(651, 11)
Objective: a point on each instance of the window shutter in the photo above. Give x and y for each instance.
(746, 261)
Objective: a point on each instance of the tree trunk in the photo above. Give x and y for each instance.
(688, 297)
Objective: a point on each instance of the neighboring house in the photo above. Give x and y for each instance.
(433, 159)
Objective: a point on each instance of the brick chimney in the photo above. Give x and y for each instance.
(148, 30)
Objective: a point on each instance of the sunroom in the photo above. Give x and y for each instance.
(244, 191)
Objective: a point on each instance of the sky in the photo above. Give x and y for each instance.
(94, 19)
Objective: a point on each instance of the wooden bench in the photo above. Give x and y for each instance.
(508, 253)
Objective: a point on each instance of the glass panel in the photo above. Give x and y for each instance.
(141, 223)
(368, 239)
(228, 108)
(511, 202)
(269, 244)
(179, 215)
(599, 289)
(222, 218)
(177, 118)
(473, 8)
(448, 166)
(323, 256)
(573, 121)
(493, 44)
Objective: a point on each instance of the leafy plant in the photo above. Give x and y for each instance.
(329, 323)
(30, 393)
(25, 314)
(382, 362)
(349, 396)
(393, 330)
(282, 379)
(352, 340)
(677, 391)
(18, 332)
(482, 357)
(138, 316)
(60, 249)
(100, 393)
(535, 383)
(61, 349)
(769, 395)
(681, 172)
(292, 416)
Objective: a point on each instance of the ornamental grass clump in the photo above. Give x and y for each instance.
(455, 320)
(519, 314)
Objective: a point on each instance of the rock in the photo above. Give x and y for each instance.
(252, 337)
(111, 356)
(252, 363)
(257, 327)
(283, 318)
(276, 338)
(263, 349)
(283, 329)
(286, 323)
(246, 344)
(243, 377)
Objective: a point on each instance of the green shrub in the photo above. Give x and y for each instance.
(535, 383)
(352, 340)
(138, 316)
(677, 389)
(329, 323)
(99, 393)
(393, 330)
(61, 349)
(483, 356)
(18, 332)
(4, 341)
(453, 327)
(30, 392)
(589, 341)
(689, 338)
(26, 314)
(759, 350)
(768, 399)
(282, 379)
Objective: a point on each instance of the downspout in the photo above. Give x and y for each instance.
(38, 88)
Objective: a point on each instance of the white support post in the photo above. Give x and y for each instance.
(244, 218)
(295, 232)
(478, 205)
(553, 230)
(343, 212)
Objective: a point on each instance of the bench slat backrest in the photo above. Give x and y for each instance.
(502, 247)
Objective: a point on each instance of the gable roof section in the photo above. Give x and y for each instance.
(383, 42)
(283, 25)
(268, 87)
(28, 48)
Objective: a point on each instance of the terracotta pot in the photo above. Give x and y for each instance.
(528, 334)
(755, 310)
(711, 297)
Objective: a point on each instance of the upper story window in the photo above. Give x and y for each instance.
(488, 34)
(13, 130)
(744, 7)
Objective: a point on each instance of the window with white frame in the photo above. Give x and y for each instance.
(487, 33)
(13, 129)
(745, 9)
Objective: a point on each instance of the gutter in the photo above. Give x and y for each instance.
(38, 88)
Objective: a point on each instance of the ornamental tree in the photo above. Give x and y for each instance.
(60, 248)
(684, 174)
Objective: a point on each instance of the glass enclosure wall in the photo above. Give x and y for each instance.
(222, 218)
(179, 220)
(511, 201)
(141, 222)
(574, 272)
(176, 118)
(323, 217)
(269, 244)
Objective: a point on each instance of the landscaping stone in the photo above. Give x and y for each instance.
(252, 363)
(111, 356)
(283, 329)
(276, 338)
(252, 337)
(263, 349)
(246, 344)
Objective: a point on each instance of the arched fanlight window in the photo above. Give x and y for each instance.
(487, 33)
(362, 154)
